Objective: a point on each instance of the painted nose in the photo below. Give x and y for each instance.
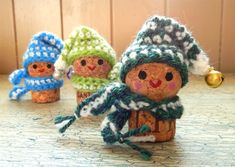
(91, 67)
(155, 83)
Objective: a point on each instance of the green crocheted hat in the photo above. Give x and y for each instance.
(164, 40)
(84, 41)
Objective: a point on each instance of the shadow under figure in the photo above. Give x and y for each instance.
(153, 69)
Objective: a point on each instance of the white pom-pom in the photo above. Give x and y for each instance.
(60, 64)
(201, 65)
(60, 67)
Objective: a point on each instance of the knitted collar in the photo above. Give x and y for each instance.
(88, 84)
(31, 83)
(170, 108)
(120, 96)
(42, 83)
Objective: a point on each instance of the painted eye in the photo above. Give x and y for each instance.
(83, 62)
(35, 66)
(100, 61)
(142, 75)
(169, 76)
(48, 65)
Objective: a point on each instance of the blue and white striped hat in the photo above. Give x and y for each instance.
(44, 47)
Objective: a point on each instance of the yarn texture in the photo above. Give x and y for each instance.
(160, 30)
(88, 84)
(44, 47)
(120, 101)
(160, 40)
(86, 42)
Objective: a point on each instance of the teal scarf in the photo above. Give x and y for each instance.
(120, 102)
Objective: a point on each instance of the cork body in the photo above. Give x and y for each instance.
(43, 69)
(156, 81)
(90, 66)
(81, 96)
(162, 130)
(46, 96)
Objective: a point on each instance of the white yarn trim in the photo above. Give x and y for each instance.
(76, 116)
(133, 105)
(14, 96)
(39, 82)
(60, 125)
(105, 123)
(149, 138)
(86, 110)
(164, 107)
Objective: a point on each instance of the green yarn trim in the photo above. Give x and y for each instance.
(99, 53)
(114, 74)
(88, 84)
(84, 41)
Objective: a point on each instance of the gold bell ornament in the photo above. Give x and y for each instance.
(214, 78)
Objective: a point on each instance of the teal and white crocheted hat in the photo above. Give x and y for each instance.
(84, 41)
(164, 40)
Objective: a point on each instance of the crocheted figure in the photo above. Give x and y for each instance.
(38, 67)
(153, 69)
(92, 60)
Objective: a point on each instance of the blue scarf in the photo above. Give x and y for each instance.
(30, 83)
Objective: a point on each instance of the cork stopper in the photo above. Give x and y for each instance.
(46, 96)
(81, 96)
(43, 69)
(161, 130)
(156, 81)
(90, 66)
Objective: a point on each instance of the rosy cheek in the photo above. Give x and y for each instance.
(78, 68)
(172, 86)
(31, 70)
(137, 85)
(105, 68)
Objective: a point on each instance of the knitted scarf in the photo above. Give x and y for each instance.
(120, 101)
(88, 84)
(31, 83)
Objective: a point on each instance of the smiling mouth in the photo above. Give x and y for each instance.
(91, 67)
(155, 83)
(41, 70)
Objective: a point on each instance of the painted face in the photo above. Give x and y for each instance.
(157, 81)
(92, 66)
(40, 69)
